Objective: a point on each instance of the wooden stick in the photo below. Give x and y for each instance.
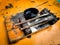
(40, 23)
(30, 19)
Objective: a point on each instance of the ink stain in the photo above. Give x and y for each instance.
(6, 12)
(33, 1)
(8, 6)
(2, 13)
(49, 5)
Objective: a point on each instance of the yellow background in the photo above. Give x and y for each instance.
(49, 36)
